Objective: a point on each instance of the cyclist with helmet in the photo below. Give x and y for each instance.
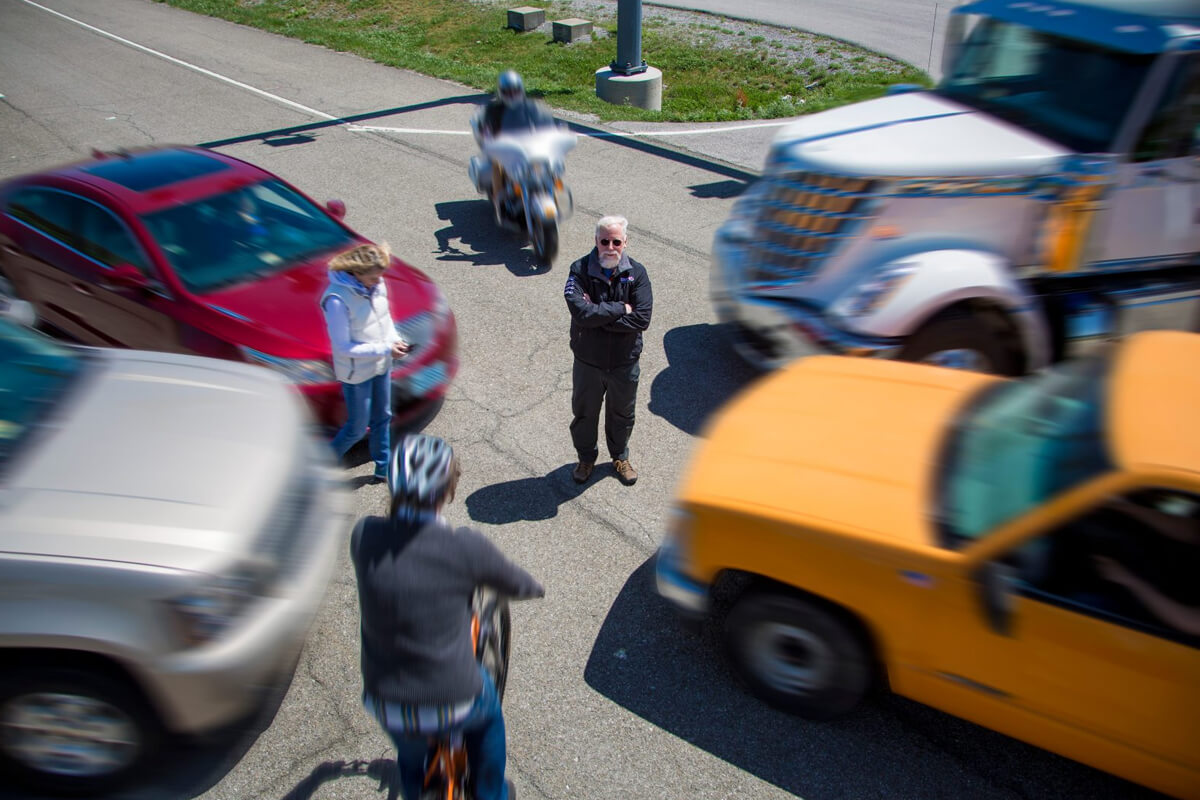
(416, 576)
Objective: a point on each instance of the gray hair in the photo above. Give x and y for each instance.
(610, 220)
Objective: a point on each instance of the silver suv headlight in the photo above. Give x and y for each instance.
(206, 611)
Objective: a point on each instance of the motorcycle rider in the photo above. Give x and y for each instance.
(509, 111)
(416, 577)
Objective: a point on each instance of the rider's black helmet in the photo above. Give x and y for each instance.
(510, 87)
(422, 472)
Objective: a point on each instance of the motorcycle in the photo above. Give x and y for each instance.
(521, 173)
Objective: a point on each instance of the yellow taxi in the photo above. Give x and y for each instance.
(1024, 554)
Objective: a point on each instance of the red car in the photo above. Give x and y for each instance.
(187, 250)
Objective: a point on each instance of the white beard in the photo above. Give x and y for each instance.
(610, 260)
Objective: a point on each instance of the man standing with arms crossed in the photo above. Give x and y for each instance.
(609, 297)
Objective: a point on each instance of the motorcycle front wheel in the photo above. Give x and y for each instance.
(545, 240)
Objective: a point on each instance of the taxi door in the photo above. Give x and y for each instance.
(1034, 641)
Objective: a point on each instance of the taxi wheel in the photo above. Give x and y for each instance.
(797, 654)
(73, 732)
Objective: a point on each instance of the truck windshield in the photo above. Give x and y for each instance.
(34, 374)
(1072, 92)
(1021, 443)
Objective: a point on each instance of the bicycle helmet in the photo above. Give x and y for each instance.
(421, 472)
(510, 87)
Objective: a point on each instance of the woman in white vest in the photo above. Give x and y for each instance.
(364, 343)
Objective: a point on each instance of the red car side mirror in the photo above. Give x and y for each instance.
(337, 208)
(128, 276)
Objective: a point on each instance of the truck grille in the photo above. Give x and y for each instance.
(803, 218)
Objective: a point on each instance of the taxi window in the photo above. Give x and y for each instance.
(1022, 443)
(1132, 562)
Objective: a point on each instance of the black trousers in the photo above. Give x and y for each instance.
(616, 388)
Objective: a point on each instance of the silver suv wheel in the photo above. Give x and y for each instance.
(68, 734)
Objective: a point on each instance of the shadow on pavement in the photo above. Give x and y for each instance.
(480, 242)
(662, 150)
(531, 498)
(645, 660)
(381, 769)
(299, 134)
(702, 373)
(722, 190)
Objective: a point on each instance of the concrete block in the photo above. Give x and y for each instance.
(640, 91)
(571, 30)
(526, 18)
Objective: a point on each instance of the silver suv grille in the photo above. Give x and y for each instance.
(804, 216)
(290, 534)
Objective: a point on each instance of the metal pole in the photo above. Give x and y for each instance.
(629, 38)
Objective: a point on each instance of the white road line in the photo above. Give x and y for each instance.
(376, 128)
(180, 62)
(385, 129)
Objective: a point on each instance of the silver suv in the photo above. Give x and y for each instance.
(167, 529)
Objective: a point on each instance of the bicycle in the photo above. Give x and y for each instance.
(448, 774)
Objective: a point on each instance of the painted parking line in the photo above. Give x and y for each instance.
(375, 128)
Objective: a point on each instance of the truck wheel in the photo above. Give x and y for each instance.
(69, 731)
(961, 341)
(797, 655)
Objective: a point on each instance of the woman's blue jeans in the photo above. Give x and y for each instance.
(483, 735)
(367, 404)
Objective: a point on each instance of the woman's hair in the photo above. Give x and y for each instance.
(362, 258)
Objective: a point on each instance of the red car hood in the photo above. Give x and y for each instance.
(285, 307)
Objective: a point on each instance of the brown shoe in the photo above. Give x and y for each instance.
(583, 471)
(625, 471)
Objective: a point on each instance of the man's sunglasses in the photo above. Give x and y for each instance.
(615, 242)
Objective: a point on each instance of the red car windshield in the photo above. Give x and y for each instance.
(241, 235)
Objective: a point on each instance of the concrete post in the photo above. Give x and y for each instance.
(627, 80)
(629, 38)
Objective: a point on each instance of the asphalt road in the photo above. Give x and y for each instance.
(910, 30)
(608, 695)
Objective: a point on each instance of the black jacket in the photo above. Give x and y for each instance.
(602, 334)
(415, 583)
(524, 116)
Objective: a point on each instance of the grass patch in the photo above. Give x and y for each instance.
(707, 76)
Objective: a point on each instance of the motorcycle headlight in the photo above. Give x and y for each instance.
(869, 295)
(297, 370)
(203, 613)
